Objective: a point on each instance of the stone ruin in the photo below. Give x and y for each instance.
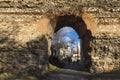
(27, 27)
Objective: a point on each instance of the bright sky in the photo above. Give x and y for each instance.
(69, 36)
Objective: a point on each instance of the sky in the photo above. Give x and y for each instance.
(68, 36)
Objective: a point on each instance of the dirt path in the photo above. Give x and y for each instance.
(66, 74)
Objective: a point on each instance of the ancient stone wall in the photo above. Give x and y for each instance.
(25, 32)
(105, 53)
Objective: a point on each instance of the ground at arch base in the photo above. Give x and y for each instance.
(67, 74)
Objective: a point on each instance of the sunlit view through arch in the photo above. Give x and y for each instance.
(67, 36)
(66, 49)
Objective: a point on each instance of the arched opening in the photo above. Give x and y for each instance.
(65, 49)
(85, 36)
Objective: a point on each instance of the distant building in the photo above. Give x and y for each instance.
(76, 56)
(78, 51)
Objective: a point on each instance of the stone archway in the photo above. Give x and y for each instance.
(83, 30)
(81, 22)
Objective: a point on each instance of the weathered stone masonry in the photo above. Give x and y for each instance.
(105, 53)
(26, 27)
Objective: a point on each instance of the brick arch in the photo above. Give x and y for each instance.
(84, 28)
(82, 23)
(76, 14)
